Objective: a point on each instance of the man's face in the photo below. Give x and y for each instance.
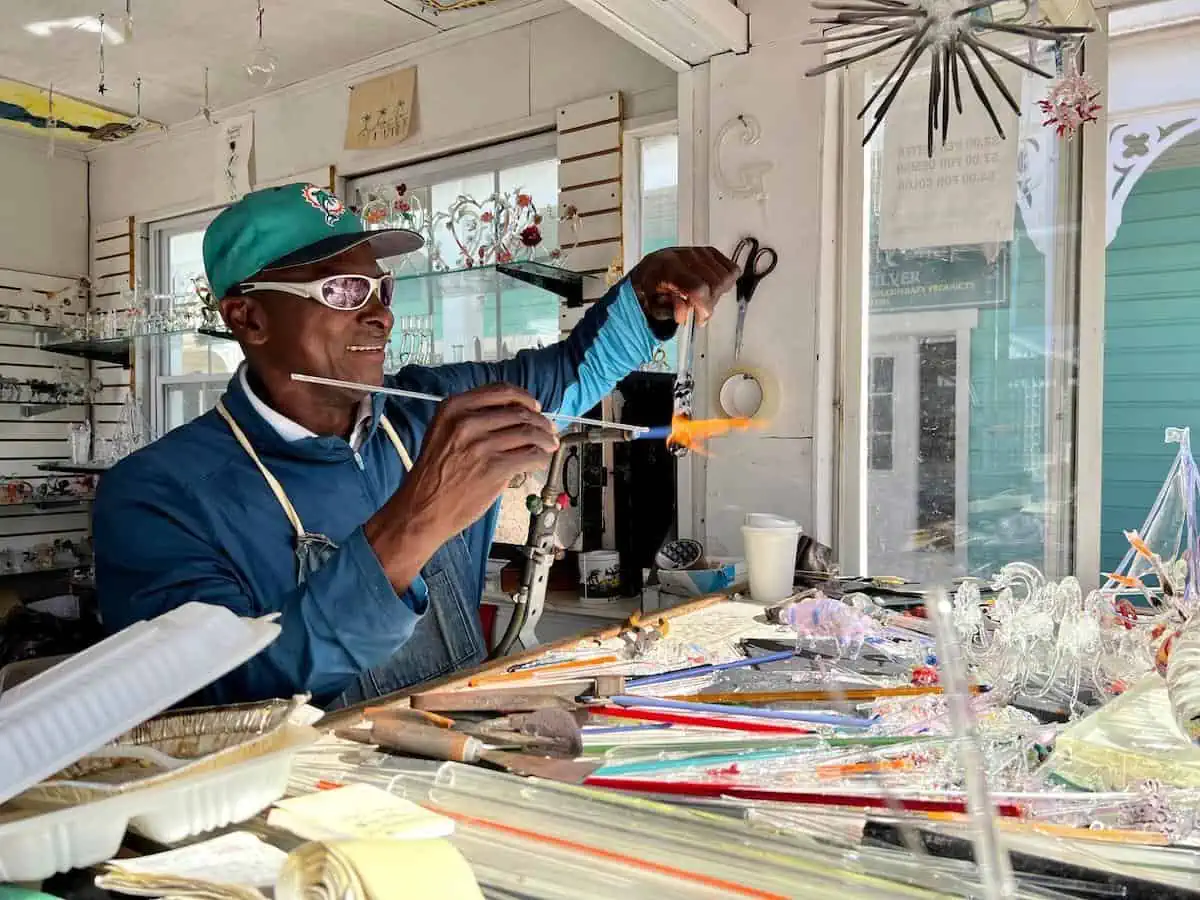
(287, 333)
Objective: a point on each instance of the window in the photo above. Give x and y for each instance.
(961, 273)
(188, 373)
(472, 318)
(880, 410)
(652, 199)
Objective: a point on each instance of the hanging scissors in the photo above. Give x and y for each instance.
(757, 264)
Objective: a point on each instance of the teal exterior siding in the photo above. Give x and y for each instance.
(1151, 346)
(1007, 487)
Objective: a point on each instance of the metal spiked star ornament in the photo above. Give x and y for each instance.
(948, 30)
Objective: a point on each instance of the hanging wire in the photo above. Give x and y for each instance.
(102, 89)
(206, 109)
(51, 123)
(127, 25)
(261, 10)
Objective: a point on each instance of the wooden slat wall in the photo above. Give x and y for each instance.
(589, 179)
(27, 442)
(116, 255)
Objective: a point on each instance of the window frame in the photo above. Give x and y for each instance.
(842, 461)
(492, 159)
(631, 184)
(155, 358)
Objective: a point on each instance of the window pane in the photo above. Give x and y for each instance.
(540, 181)
(962, 338)
(185, 261)
(470, 231)
(1151, 319)
(659, 226)
(184, 402)
(193, 354)
(660, 183)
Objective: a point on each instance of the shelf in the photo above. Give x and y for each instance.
(50, 502)
(570, 286)
(118, 350)
(33, 410)
(75, 468)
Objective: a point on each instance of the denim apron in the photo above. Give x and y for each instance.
(447, 637)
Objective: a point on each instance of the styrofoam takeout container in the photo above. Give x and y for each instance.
(721, 574)
(76, 707)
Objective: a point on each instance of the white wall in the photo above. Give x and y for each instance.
(1157, 69)
(43, 227)
(769, 470)
(485, 89)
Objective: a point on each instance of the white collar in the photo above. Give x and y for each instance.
(293, 431)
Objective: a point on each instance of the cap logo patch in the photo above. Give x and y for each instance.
(328, 203)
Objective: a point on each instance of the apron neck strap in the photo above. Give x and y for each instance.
(396, 442)
(273, 482)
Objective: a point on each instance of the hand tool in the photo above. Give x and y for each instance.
(685, 384)
(756, 263)
(434, 398)
(413, 739)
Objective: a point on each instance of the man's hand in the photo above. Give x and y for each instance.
(476, 443)
(670, 282)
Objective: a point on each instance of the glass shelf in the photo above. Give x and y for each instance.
(118, 350)
(75, 468)
(570, 286)
(494, 281)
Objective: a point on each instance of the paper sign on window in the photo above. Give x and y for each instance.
(381, 110)
(966, 193)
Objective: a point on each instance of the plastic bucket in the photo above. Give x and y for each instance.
(771, 559)
(600, 575)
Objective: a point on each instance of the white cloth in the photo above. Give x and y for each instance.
(293, 431)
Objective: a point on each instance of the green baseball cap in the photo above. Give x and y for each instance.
(293, 225)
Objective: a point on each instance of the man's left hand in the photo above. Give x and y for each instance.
(671, 282)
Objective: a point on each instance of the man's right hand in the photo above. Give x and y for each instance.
(475, 444)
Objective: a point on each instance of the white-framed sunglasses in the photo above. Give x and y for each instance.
(342, 292)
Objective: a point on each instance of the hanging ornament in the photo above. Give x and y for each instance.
(948, 30)
(261, 68)
(51, 122)
(1071, 100)
(206, 109)
(127, 22)
(102, 89)
(138, 121)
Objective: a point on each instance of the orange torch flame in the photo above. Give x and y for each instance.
(695, 433)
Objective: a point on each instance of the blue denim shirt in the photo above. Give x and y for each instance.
(191, 518)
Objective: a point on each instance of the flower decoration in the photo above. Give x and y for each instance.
(501, 228)
(951, 33)
(1070, 104)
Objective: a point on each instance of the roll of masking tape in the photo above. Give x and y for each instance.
(749, 394)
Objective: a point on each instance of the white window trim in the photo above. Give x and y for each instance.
(152, 363)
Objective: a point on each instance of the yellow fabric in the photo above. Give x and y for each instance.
(377, 870)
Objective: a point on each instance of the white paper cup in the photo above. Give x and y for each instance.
(771, 559)
(769, 520)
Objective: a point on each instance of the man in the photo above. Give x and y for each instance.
(363, 521)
